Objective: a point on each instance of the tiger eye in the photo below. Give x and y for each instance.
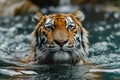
(70, 27)
(50, 28)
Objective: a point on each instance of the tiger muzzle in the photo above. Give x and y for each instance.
(60, 42)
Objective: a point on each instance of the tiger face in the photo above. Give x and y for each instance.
(59, 38)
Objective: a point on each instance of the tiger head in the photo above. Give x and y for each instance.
(59, 38)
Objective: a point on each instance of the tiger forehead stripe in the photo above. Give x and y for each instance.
(49, 21)
(69, 19)
(49, 24)
(70, 23)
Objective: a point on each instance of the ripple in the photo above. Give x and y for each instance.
(106, 59)
(100, 46)
(106, 70)
(104, 34)
(117, 33)
(99, 28)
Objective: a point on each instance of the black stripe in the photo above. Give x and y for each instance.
(36, 35)
(82, 42)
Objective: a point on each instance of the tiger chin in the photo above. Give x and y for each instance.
(59, 39)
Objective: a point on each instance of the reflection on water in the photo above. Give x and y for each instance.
(104, 31)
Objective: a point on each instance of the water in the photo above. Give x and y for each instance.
(65, 6)
(64, 2)
(104, 37)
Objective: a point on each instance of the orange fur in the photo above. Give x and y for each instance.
(60, 32)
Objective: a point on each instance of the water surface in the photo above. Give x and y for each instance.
(104, 37)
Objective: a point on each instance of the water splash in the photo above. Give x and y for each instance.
(104, 44)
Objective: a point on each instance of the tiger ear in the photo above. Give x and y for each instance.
(36, 17)
(79, 15)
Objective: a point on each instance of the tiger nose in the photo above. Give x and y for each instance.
(61, 42)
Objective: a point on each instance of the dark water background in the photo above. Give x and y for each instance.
(104, 37)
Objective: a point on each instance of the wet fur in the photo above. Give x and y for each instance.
(45, 50)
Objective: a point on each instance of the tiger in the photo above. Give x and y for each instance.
(59, 38)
